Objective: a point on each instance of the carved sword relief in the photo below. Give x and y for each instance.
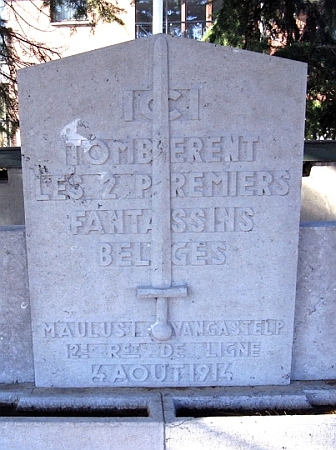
(161, 287)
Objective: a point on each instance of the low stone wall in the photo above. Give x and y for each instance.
(11, 199)
(315, 339)
(15, 332)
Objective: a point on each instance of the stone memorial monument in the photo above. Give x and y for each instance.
(162, 192)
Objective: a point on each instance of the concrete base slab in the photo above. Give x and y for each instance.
(253, 433)
(239, 432)
(84, 434)
(16, 353)
(165, 428)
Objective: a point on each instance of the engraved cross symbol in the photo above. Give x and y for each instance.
(161, 265)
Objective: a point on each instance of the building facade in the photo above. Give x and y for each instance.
(67, 28)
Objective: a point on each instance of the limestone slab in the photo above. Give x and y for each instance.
(162, 198)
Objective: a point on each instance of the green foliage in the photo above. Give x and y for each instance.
(236, 25)
(273, 27)
(252, 25)
(321, 86)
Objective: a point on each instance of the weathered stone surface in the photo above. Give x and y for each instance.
(11, 199)
(315, 339)
(162, 234)
(16, 353)
(313, 356)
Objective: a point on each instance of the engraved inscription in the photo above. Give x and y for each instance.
(123, 353)
(139, 330)
(93, 152)
(183, 185)
(186, 184)
(229, 184)
(224, 148)
(127, 221)
(182, 253)
(198, 253)
(139, 221)
(122, 374)
(100, 186)
(148, 351)
(58, 187)
(183, 104)
(124, 254)
(197, 220)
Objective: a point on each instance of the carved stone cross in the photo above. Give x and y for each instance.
(161, 265)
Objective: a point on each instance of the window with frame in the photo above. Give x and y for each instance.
(68, 10)
(187, 18)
